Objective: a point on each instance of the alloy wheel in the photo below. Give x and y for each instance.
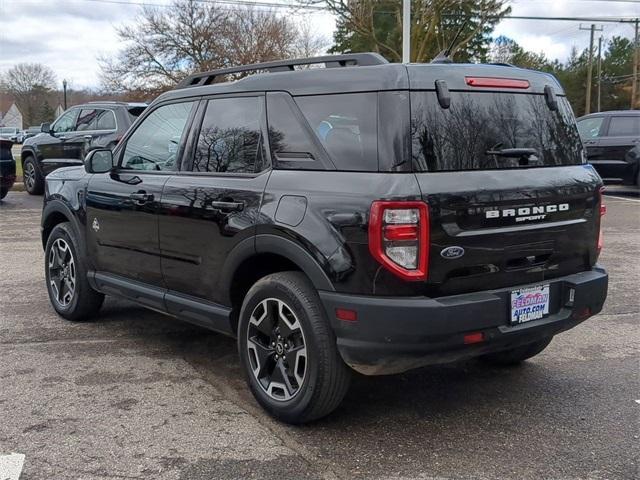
(29, 175)
(62, 272)
(277, 350)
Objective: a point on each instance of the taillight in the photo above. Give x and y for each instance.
(602, 211)
(496, 82)
(399, 237)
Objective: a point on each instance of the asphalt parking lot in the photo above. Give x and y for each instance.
(135, 394)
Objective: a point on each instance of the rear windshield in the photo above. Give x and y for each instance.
(487, 130)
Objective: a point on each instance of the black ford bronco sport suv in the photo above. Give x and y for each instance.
(367, 216)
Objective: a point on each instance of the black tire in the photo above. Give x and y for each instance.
(31, 176)
(325, 379)
(80, 302)
(3, 192)
(516, 355)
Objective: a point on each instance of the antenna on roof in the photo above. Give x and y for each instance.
(443, 56)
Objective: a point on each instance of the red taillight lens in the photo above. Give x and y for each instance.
(471, 338)
(496, 82)
(399, 237)
(603, 210)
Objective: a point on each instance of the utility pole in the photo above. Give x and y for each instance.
(406, 31)
(64, 90)
(636, 60)
(587, 102)
(599, 69)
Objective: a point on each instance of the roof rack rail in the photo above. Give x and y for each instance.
(330, 61)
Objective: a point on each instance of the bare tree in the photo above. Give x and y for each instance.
(164, 45)
(309, 43)
(29, 84)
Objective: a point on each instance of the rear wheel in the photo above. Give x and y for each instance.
(288, 350)
(69, 291)
(33, 181)
(516, 355)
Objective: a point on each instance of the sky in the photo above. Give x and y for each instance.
(69, 35)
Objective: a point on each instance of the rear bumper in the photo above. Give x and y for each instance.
(393, 334)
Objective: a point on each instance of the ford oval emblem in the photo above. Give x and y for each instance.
(452, 252)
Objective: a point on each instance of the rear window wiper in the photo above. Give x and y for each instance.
(523, 154)
(513, 152)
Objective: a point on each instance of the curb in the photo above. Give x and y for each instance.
(18, 187)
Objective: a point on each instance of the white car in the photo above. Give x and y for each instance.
(11, 133)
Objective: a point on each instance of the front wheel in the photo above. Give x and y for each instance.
(288, 350)
(66, 274)
(516, 355)
(33, 181)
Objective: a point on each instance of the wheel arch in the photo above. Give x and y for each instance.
(54, 213)
(254, 258)
(29, 152)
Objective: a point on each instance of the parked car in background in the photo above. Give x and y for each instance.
(12, 133)
(7, 167)
(32, 131)
(612, 140)
(77, 131)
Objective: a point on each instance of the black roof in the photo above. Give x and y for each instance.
(353, 76)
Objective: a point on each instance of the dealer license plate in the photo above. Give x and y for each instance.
(529, 304)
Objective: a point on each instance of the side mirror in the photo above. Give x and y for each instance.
(45, 128)
(99, 161)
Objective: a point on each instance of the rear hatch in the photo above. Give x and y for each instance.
(499, 161)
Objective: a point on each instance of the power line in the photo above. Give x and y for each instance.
(238, 3)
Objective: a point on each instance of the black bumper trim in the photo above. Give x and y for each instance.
(395, 334)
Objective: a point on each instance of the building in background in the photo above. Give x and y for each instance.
(11, 118)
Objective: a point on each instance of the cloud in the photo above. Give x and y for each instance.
(556, 38)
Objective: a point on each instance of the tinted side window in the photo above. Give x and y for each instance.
(105, 120)
(590, 127)
(86, 119)
(346, 126)
(95, 119)
(624, 127)
(230, 138)
(155, 144)
(291, 146)
(66, 122)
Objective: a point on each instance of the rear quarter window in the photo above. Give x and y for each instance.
(624, 126)
(346, 126)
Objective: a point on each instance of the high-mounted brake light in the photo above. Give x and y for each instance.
(496, 82)
(602, 210)
(399, 237)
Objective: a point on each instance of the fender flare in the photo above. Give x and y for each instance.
(266, 243)
(58, 206)
(277, 245)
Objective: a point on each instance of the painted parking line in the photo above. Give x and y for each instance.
(11, 466)
(623, 198)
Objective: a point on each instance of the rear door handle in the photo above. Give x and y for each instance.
(142, 197)
(590, 142)
(228, 206)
